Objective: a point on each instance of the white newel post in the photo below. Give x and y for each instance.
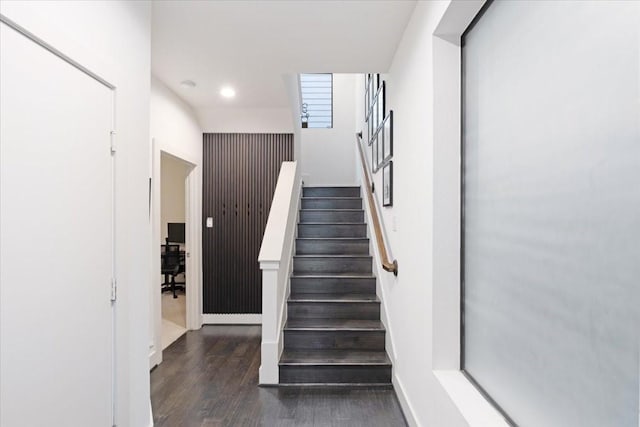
(270, 352)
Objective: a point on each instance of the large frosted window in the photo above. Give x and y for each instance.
(551, 140)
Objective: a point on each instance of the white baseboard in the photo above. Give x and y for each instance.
(155, 357)
(151, 423)
(232, 319)
(407, 409)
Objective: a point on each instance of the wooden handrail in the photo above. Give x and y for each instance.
(390, 266)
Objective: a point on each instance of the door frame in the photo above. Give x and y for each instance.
(193, 290)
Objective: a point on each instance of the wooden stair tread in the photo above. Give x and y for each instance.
(334, 357)
(333, 325)
(333, 297)
(347, 275)
(332, 197)
(332, 256)
(324, 386)
(330, 224)
(332, 239)
(353, 187)
(332, 209)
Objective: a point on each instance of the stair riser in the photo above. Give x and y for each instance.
(331, 191)
(355, 203)
(333, 230)
(332, 265)
(331, 216)
(335, 247)
(369, 310)
(333, 340)
(301, 285)
(335, 374)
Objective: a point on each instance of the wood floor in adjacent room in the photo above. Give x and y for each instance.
(209, 378)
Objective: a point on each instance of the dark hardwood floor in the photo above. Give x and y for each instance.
(209, 378)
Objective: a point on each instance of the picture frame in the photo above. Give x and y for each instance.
(373, 113)
(367, 106)
(380, 105)
(387, 184)
(371, 130)
(380, 148)
(387, 136)
(374, 154)
(372, 95)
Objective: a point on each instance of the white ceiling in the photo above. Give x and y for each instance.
(251, 44)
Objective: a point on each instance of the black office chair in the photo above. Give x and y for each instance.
(171, 267)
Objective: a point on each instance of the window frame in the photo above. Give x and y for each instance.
(331, 92)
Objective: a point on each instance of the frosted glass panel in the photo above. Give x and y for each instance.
(552, 210)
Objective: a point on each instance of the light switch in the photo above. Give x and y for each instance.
(209, 222)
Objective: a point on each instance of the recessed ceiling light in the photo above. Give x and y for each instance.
(189, 84)
(227, 92)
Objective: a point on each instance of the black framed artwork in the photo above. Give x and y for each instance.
(374, 117)
(387, 184)
(380, 148)
(380, 105)
(374, 153)
(372, 131)
(367, 105)
(372, 95)
(387, 136)
(364, 135)
(379, 123)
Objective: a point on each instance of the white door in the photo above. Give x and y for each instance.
(56, 244)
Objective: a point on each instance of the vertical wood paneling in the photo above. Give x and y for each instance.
(240, 175)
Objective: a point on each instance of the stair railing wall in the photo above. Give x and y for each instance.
(371, 216)
(275, 258)
(387, 264)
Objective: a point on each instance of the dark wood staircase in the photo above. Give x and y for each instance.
(333, 335)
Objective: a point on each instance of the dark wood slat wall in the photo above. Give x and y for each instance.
(240, 175)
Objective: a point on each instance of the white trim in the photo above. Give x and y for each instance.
(194, 244)
(193, 285)
(151, 424)
(405, 404)
(475, 409)
(270, 265)
(154, 357)
(447, 71)
(232, 319)
(55, 51)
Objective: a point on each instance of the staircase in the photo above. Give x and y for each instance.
(333, 335)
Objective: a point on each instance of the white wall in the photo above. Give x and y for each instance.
(176, 133)
(112, 39)
(422, 89)
(245, 120)
(328, 156)
(172, 196)
(292, 86)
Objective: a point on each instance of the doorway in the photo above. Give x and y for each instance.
(57, 222)
(173, 226)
